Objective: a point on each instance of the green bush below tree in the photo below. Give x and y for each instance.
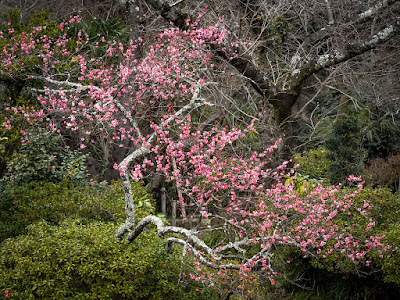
(81, 260)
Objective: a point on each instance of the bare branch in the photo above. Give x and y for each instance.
(353, 50)
(79, 87)
(191, 241)
(330, 13)
(199, 255)
(375, 9)
(362, 17)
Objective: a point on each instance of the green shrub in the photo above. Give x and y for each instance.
(313, 163)
(384, 211)
(24, 204)
(80, 260)
(385, 206)
(45, 158)
(390, 266)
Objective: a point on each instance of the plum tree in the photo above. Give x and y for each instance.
(161, 108)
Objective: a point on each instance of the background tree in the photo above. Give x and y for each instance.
(347, 158)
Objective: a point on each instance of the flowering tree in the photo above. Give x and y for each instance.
(150, 106)
(257, 209)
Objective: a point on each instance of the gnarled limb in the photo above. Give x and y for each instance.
(353, 50)
(206, 255)
(194, 103)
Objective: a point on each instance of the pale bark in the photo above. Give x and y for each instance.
(330, 13)
(372, 11)
(206, 255)
(284, 97)
(195, 102)
(173, 212)
(215, 257)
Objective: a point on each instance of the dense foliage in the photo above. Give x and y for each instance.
(58, 240)
(43, 157)
(344, 149)
(82, 260)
